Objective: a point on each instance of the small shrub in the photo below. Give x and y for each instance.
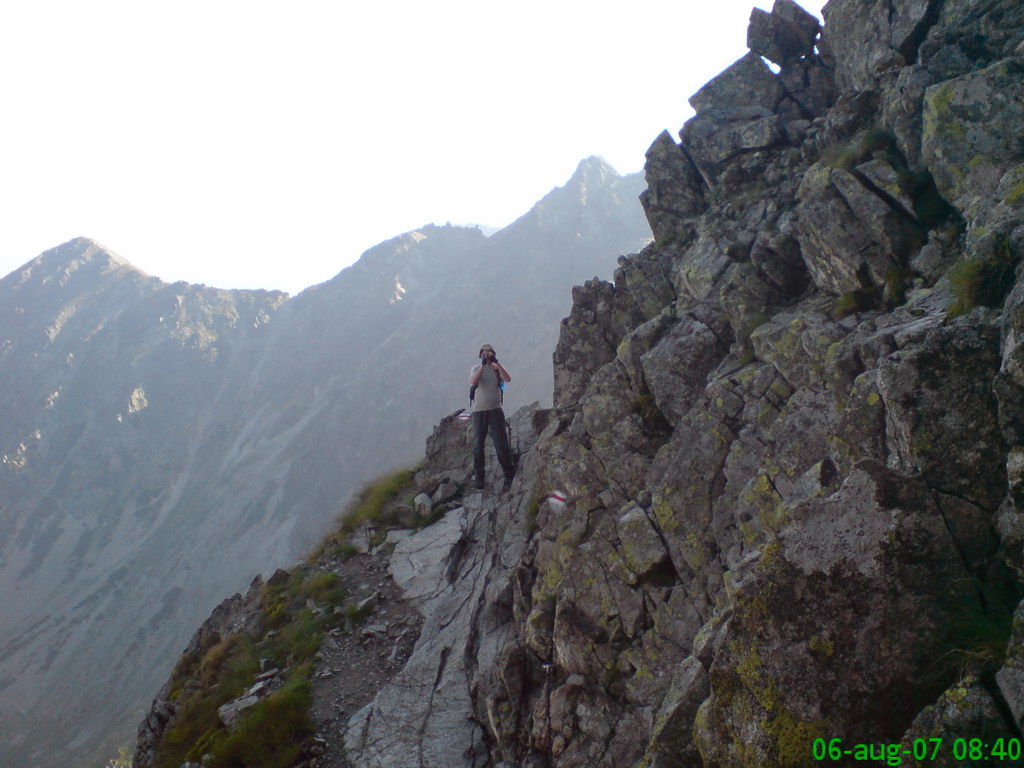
(355, 614)
(229, 664)
(859, 300)
(296, 640)
(272, 733)
(977, 640)
(897, 280)
(277, 598)
(209, 667)
(225, 670)
(845, 305)
(612, 678)
(847, 156)
(206, 744)
(371, 499)
(965, 280)
(325, 588)
(345, 551)
(188, 665)
(368, 504)
(875, 139)
(977, 282)
(192, 723)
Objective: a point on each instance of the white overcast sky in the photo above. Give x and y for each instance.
(250, 144)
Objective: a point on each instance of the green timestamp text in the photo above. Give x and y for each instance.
(919, 750)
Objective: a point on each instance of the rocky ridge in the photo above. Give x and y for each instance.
(160, 443)
(777, 499)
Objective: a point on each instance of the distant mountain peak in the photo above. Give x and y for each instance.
(76, 253)
(593, 170)
(83, 248)
(70, 263)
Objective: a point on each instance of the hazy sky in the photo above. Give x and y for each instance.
(266, 145)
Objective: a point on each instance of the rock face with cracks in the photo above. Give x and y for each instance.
(778, 497)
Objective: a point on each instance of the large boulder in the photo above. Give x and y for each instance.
(646, 279)
(675, 189)
(671, 736)
(790, 11)
(785, 34)
(942, 412)
(776, 257)
(972, 142)
(809, 83)
(870, 567)
(851, 237)
(614, 417)
(718, 246)
(796, 343)
(676, 368)
(1009, 384)
(719, 134)
(972, 34)
(449, 446)
(747, 82)
(870, 40)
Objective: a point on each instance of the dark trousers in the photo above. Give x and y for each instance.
(492, 421)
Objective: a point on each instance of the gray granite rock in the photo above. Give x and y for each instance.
(676, 368)
(671, 736)
(777, 38)
(969, 141)
(423, 505)
(1010, 678)
(893, 572)
(718, 135)
(675, 189)
(870, 41)
(968, 707)
(850, 237)
(232, 712)
(746, 83)
(445, 492)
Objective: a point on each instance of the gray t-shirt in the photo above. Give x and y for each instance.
(488, 395)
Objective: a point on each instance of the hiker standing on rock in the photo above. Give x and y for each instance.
(485, 393)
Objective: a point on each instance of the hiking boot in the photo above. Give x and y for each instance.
(507, 484)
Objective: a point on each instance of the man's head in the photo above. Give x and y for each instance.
(486, 350)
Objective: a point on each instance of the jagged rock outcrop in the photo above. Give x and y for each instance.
(833, 479)
(778, 498)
